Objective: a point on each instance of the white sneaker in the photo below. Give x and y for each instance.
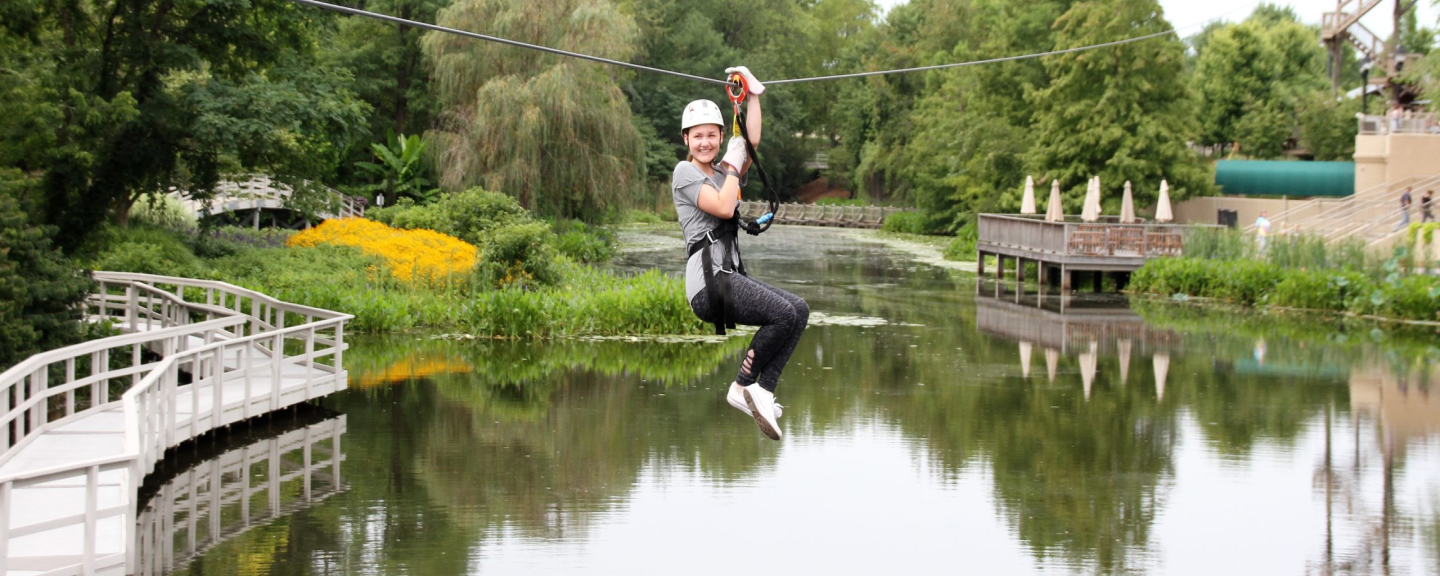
(736, 398)
(762, 408)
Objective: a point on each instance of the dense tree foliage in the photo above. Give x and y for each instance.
(40, 291)
(554, 132)
(1252, 77)
(111, 100)
(117, 99)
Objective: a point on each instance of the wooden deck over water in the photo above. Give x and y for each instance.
(1062, 248)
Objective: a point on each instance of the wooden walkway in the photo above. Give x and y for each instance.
(820, 215)
(83, 425)
(1063, 248)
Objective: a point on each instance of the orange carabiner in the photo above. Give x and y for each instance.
(737, 81)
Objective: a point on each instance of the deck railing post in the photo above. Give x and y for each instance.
(5, 509)
(132, 306)
(217, 397)
(277, 355)
(309, 360)
(92, 501)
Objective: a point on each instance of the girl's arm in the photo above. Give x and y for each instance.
(721, 203)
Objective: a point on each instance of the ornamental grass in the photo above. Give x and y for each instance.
(411, 255)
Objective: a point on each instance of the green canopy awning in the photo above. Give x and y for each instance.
(1291, 178)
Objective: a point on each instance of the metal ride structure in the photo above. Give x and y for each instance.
(1342, 27)
(81, 426)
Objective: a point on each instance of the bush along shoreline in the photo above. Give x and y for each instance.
(1298, 272)
(474, 261)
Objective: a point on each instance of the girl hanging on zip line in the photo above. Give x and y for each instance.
(706, 190)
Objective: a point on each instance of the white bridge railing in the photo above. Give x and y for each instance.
(235, 352)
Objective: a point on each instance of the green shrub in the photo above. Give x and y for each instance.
(147, 250)
(841, 202)
(1244, 281)
(640, 217)
(517, 256)
(40, 290)
(467, 215)
(583, 243)
(230, 240)
(584, 301)
(905, 223)
(162, 211)
(1321, 291)
(962, 247)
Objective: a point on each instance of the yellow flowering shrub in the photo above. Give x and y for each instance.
(412, 255)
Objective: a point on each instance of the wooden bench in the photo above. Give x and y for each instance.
(1127, 240)
(1166, 244)
(1088, 240)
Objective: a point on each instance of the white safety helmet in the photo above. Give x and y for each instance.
(701, 112)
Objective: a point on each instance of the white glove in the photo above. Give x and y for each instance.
(735, 154)
(751, 81)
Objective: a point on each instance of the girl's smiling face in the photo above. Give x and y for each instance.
(704, 143)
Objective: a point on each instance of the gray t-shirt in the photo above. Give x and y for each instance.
(685, 186)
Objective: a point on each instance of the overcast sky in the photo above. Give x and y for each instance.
(1185, 13)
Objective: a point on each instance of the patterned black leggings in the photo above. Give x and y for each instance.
(781, 316)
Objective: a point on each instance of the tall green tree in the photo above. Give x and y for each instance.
(391, 75)
(1123, 113)
(1251, 78)
(554, 132)
(124, 98)
(40, 291)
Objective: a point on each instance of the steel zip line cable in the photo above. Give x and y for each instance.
(972, 62)
(478, 36)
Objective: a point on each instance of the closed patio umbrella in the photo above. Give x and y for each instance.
(1053, 212)
(1162, 369)
(1089, 362)
(1025, 350)
(1090, 212)
(1027, 203)
(1127, 206)
(1052, 361)
(1124, 348)
(1162, 209)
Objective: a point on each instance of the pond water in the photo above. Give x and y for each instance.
(933, 423)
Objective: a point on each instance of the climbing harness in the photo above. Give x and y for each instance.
(717, 283)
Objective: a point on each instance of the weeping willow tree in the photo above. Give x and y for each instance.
(554, 132)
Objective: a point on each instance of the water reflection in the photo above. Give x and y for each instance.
(1155, 440)
(244, 479)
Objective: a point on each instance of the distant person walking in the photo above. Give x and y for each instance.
(1405, 202)
(1427, 204)
(1262, 231)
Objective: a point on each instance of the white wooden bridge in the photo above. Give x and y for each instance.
(83, 425)
(254, 193)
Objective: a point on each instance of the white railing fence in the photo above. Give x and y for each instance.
(220, 360)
